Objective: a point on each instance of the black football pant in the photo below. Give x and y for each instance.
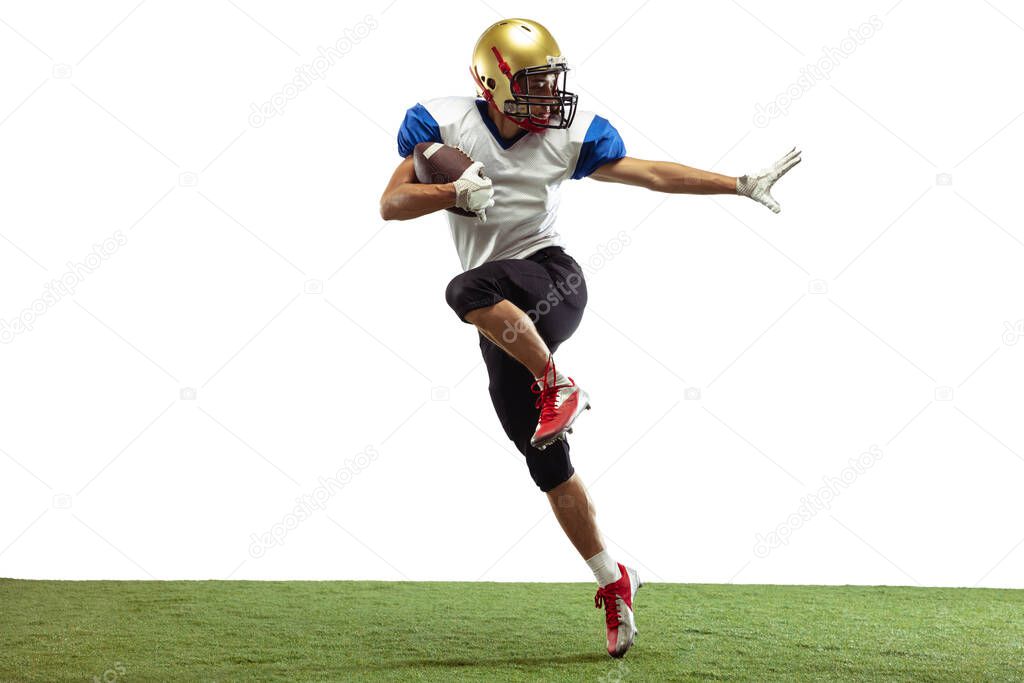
(549, 286)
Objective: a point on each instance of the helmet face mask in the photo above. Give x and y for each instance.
(539, 94)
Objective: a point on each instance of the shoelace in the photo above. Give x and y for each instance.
(605, 596)
(546, 401)
(547, 395)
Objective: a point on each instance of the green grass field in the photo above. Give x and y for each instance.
(338, 631)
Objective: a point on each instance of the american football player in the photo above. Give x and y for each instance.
(519, 287)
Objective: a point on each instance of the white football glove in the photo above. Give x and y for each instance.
(758, 185)
(474, 191)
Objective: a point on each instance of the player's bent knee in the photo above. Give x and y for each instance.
(455, 292)
(551, 481)
(549, 470)
(463, 295)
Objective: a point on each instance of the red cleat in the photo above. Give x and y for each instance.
(617, 599)
(560, 401)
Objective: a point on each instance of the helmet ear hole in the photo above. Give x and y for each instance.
(491, 83)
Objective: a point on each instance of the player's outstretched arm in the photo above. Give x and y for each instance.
(667, 176)
(404, 198)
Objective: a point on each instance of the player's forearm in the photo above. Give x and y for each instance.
(412, 200)
(667, 176)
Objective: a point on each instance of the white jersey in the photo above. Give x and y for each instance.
(526, 170)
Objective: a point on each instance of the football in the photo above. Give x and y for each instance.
(437, 163)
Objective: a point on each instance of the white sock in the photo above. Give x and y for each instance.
(606, 569)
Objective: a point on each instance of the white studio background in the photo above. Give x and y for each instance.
(253, 328)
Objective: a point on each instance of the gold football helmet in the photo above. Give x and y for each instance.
(518, 67)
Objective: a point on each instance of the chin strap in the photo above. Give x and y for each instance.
(507, 70)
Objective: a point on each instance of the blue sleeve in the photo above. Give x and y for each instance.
(601, 144)
(418, 126)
